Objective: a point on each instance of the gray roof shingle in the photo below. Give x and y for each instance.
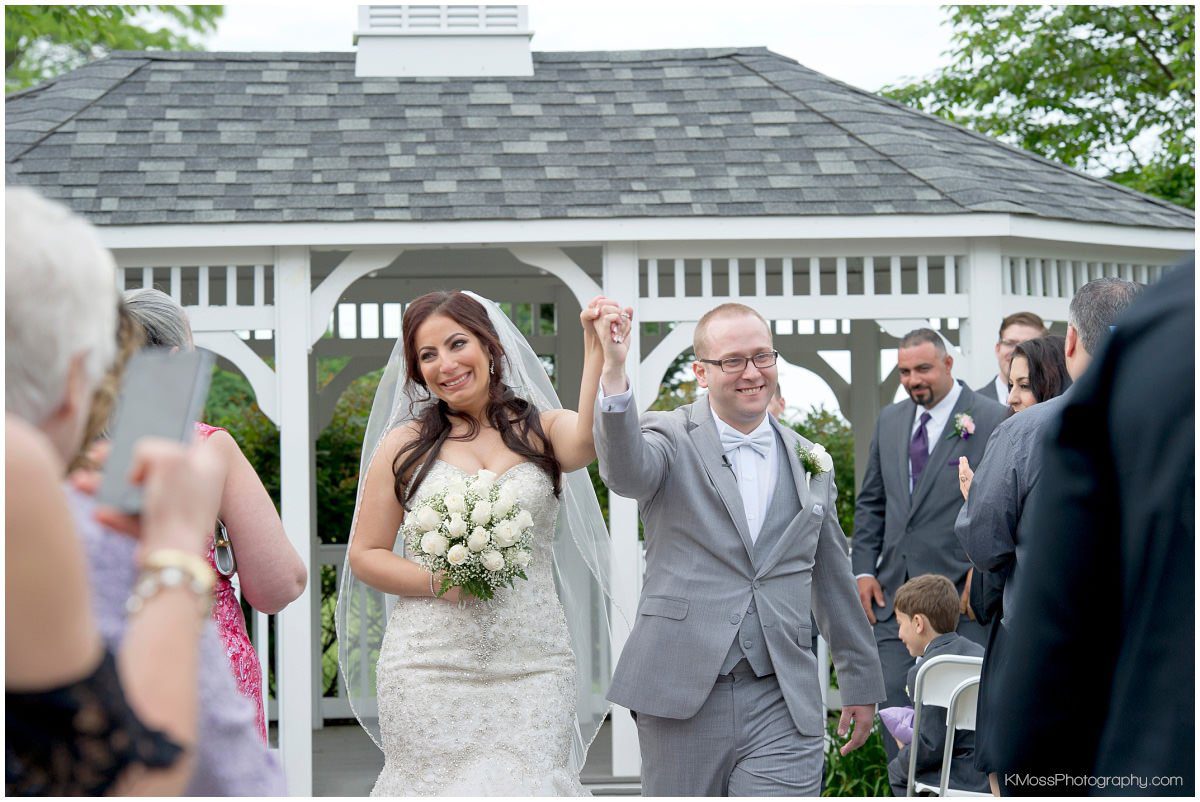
(146, 138)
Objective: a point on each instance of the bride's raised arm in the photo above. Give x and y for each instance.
(380, 515)
(571, 431)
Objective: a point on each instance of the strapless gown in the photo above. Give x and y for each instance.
(479, 699)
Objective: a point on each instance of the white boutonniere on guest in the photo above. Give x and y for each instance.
(964, 427)
(815, 461)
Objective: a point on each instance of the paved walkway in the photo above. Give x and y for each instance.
(346, 763)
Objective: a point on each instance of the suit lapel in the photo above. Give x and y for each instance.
(904, 438)
(945, 445)
(703, 431)
(819, 490)
(789, 445)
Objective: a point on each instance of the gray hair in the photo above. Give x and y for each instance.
(1097, 305)
(918, 336)
(60, 302)
(163, 321)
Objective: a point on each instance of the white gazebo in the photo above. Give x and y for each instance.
(294, 203)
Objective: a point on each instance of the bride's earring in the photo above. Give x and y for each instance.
(492, 367)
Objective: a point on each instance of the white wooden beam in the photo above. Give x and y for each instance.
(262, 379)
(556, 262)
(294, 623)
(357, 264)
(621, 284)
(824, 307)
(977, 339)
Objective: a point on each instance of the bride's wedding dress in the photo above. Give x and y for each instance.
(479, 699)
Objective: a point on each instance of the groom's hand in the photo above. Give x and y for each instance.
(863, 717)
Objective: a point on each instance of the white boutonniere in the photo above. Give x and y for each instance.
(815, 460)
(964, 427)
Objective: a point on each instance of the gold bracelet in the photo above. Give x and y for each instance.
(171, 568)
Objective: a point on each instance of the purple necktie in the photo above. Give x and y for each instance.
(918, 450)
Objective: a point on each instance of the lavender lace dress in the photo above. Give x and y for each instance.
(231, 758)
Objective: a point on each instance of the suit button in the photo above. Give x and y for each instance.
(757, 584)
(733, 619)
(747, 644)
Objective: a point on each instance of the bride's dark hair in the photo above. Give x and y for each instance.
(513, 417)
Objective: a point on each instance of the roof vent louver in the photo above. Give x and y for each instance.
(443, 41)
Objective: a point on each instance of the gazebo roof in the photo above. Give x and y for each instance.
(153, 138)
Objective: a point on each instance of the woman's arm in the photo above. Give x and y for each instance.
(270, 572)
(571, 432)
(50, 637)
(379, 518)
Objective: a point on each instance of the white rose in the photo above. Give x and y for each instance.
(483, 481)
(508, 493)
(505, 534)
(520, 559)
(478, 540)
(824, 461)
(434, 543)
(523, 520)
(482, 513)
(455, 502)
(456, 526)
(458, 554)
(492, 560)
(456, 485)
(502, 507)
(427, 519)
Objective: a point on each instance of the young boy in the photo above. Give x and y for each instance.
(927, 609)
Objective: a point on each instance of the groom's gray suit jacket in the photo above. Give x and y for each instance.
(704, 574)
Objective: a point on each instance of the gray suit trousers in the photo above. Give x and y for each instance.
(742, 742)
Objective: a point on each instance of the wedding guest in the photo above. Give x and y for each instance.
(1102, 636)
(904, 513)
(1014, 330)
(996, 493)
(83, 716)
(60, 295)
(270, 573)
(927, 609)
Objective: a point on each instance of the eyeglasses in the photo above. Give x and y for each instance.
(736, 364)
(1010, 343)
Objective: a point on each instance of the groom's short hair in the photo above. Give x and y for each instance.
(699, 342)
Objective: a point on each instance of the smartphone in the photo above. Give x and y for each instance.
(162, 394)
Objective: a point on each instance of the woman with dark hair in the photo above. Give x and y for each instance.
(478, 697)
(1038, 372)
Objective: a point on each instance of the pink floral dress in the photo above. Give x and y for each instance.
(231, 626)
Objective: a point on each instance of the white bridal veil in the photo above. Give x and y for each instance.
(581, 550)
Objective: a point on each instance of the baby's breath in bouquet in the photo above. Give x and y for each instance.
(472, 531)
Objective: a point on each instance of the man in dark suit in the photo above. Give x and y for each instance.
(1100, 668)
(1014, 330)
(905, 512)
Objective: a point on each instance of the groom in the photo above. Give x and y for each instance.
(740, 547)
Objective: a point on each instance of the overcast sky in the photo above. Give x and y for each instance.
(865, 45)
(868, 46)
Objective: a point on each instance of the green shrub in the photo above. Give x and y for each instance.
(863, 772)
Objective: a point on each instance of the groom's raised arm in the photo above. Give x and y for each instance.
(633, 461)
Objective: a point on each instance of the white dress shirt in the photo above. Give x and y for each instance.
(755, 474)
(1001, 390)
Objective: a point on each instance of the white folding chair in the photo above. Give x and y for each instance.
(960, 715)
(937, 680)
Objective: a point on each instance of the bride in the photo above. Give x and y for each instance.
(467, 697)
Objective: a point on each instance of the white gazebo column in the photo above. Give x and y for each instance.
(983, 284)
(621, 284)
(864, 391)
(294, 650)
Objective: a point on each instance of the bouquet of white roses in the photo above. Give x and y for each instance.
(473, 532)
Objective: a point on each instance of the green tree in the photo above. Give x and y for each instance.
(1106, 89)
(41, 42)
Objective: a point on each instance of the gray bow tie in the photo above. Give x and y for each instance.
(759, 440)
